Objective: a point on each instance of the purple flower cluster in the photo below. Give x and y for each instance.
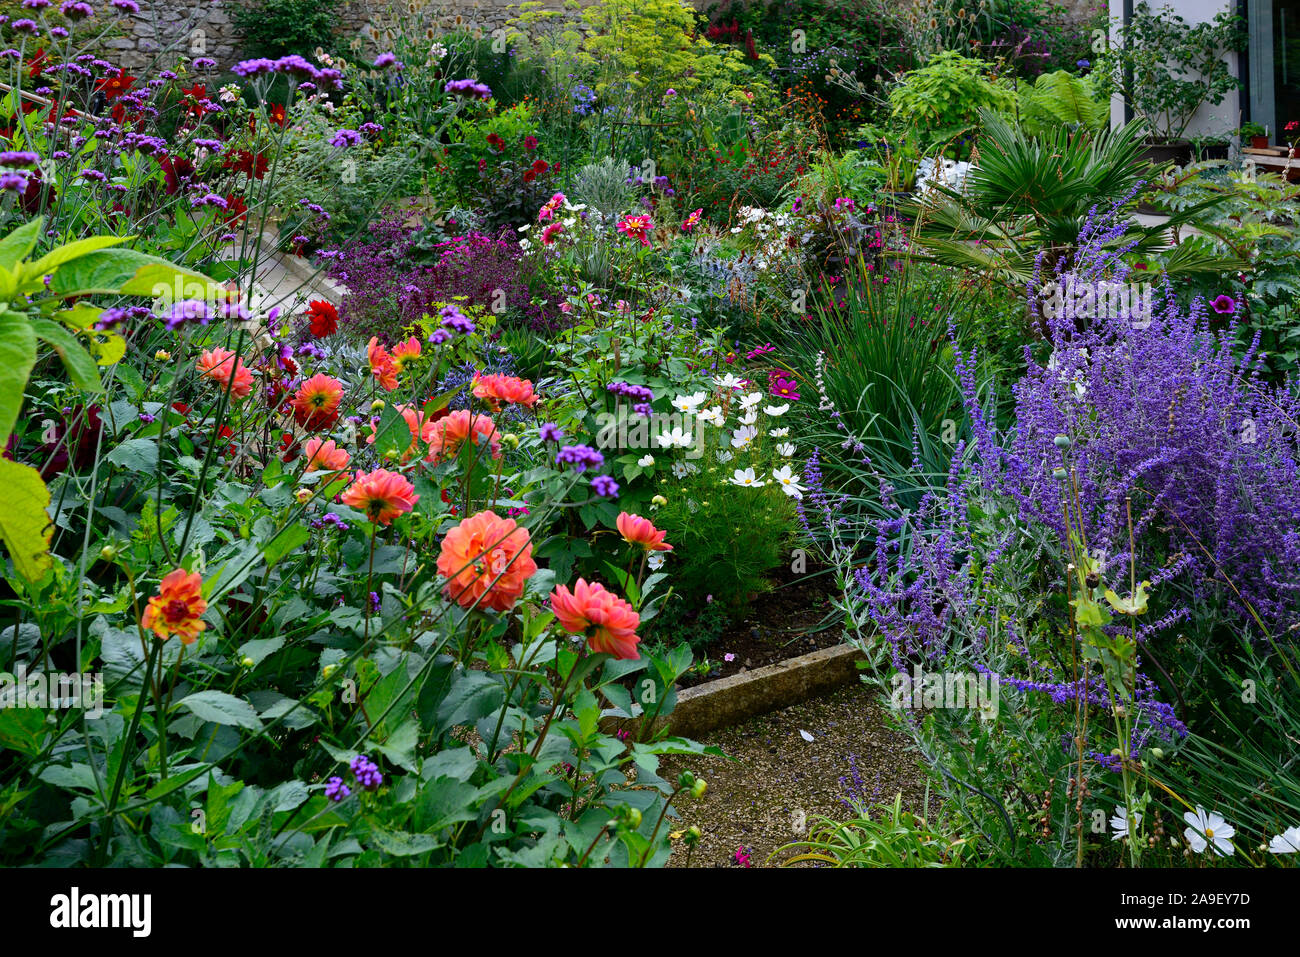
(469, 88)
(291, 65)
(366, 772)
(581, 457)
(336, 790)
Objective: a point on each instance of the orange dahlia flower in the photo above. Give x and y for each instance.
(488, 557)
(404, 352)
(316, 404)
(382, 366)
(450, 432)
(325, 456)
(177, 608)
(641, 531)
(608, 621)
(499, 390)
(382, 495)
(222, 365)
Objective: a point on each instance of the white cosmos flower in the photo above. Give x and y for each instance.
(749, 418)
(683, 469)
(786, 449)
(751, 400)
(746, 478)
(713, 416)
(743, 436)
(728, 381)
(1122, 826)
(676, 438)
(689, 403)
(646, 461)
(777, 409)
(655, 561)
(1288, 842)
(1206, 829)
(778, 433)
(724, 456)
(789, 481)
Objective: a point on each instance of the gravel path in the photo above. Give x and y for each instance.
(779, 779)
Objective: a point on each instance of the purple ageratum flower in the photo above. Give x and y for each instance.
(336, 790)
(190, 310)
(439, 336)
(130, 6)
(36, 4)
(366, 772)
(202, 63)
(110, 319)
(211, 199)
(260, 66)
(469, 88)
(25, 26)
(371, 129)
(345, 138)
(76, 10)
(456, 321)
(581, 457)
(296, 65)
(387, 59)
(13, 182)
(18, 158)
(550, 432)
(147, 419)
(235, 311)
(605, 486)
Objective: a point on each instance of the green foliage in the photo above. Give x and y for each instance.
(274, 28)
(880, 836)
(1061, 99)
(944, 99)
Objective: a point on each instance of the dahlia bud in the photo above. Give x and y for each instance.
(246, 662)
(686, 781)
(162, 355)
(303, 495)
(377, 405)
(693, 834)
(328, 672)
(108, 553)
(699, 787)
(633, 818)
(659, 500)
(510, 440)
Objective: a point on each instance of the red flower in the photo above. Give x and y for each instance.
(530, 142)
(324, 318)
(242, 161)
(496, 142)
(36, 65)
(236, 209)
(529, 176)
(114, 86)
(275, 113)
(540, 167)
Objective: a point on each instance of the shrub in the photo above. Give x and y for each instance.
(274, 28)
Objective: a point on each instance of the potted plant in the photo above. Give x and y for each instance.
(1167, 69)
(1212, 147)
(1257, 134)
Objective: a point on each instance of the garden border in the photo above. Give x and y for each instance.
(736, 698)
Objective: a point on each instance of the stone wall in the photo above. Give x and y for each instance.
(164, 28)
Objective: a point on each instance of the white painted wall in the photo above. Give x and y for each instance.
(1209, 120)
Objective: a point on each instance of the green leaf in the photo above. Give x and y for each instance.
(130, 273)
(18, 245)
(24, 522)
(401, 843)
(135, 455)
(289, 539)
(1136, 604)
(70, 251)
(81, 367)
(17, 356)
(222, 708)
